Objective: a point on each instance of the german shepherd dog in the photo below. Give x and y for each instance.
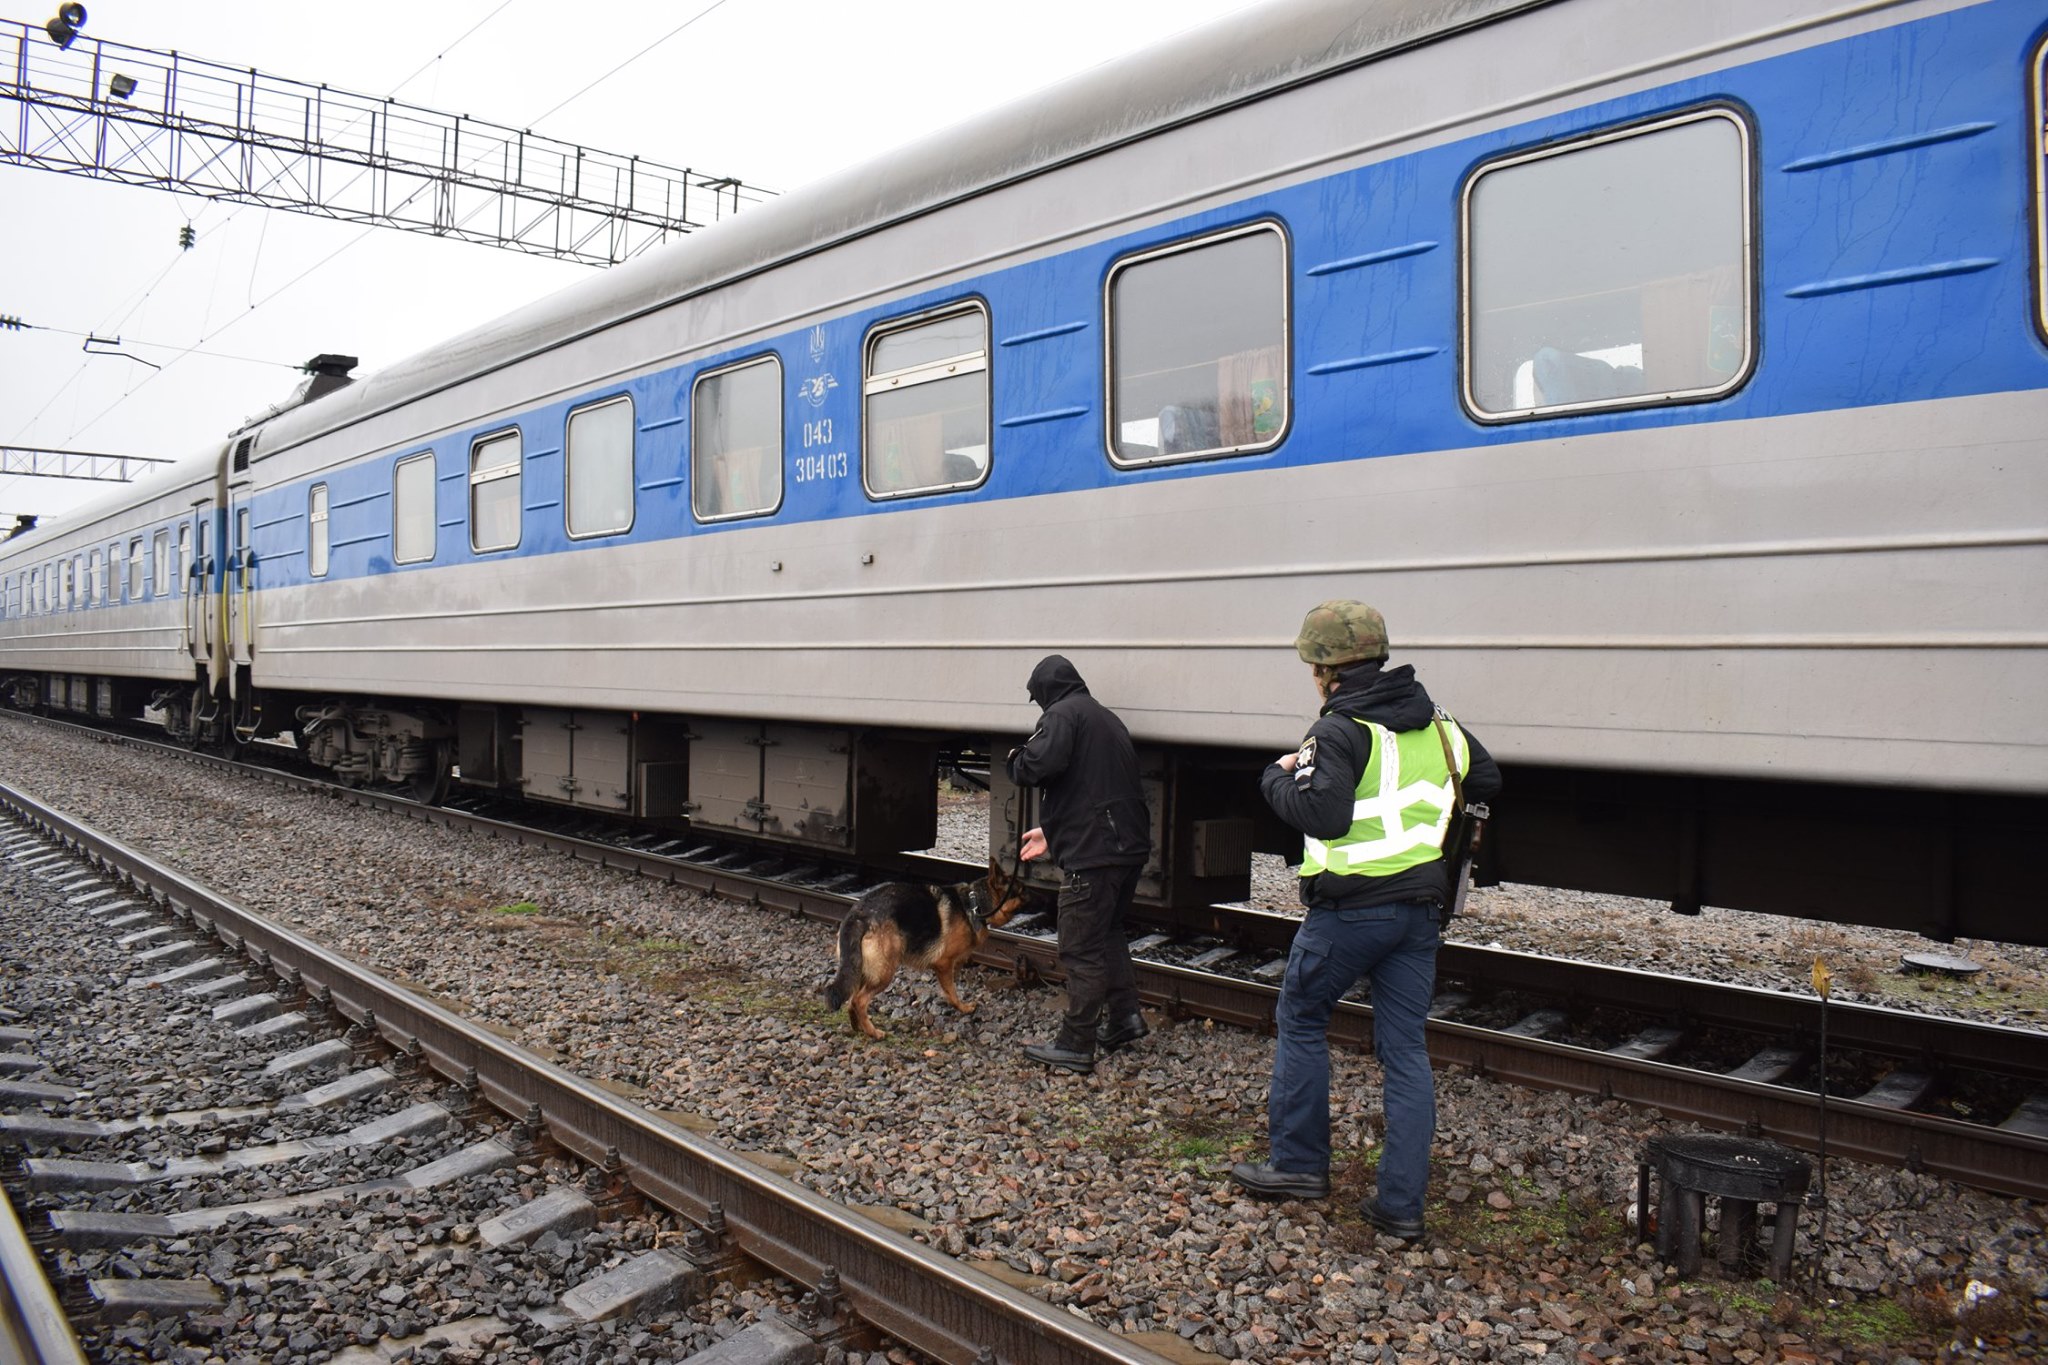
(925, 926)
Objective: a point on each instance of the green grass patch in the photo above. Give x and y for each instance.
(516, 908)
(1865, 1324)
(1195, 1142)
(1917, 989)
(1576, 1221)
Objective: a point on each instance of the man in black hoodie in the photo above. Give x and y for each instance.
(1371, 789)
(1094, 822)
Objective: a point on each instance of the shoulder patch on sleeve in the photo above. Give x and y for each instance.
(1305, 761)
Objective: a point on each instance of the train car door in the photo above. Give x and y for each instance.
(241, 579)
(198, 572)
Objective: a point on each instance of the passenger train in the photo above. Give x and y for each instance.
(1673, 377)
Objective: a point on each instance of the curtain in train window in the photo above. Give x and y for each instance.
(181, 561)
(1198, 349)
(2040, 98)
(600, 462)
(160, 564)
(96, 580)
(927, 405)
(316, 531)
(135, 569)
(736, 441)
(494, 492)
(412, 509)
(1611, 273)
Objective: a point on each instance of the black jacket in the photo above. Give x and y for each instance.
(1092, 806)
(1318, 796)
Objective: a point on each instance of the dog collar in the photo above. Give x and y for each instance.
(977, 919)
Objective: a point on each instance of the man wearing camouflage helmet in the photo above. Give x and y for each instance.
(1371, 789)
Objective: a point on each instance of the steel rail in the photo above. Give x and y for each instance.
(33, 1328)
(1975, 1154)
(1978, 1155)
(933, 1303)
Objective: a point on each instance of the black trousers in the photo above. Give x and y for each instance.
(1093, 951)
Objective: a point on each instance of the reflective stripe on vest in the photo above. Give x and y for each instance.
(1402, 808)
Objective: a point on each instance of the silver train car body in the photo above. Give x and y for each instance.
(1770, 636)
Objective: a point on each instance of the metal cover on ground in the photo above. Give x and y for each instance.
(1940, 962)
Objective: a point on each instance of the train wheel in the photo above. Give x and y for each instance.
(430, 788)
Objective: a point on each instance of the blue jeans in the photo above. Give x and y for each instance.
(1394, 945)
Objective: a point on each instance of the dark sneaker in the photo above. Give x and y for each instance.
(1121, 1031)
(1050, 1053)
(1268, 1183)
(1407, 1229)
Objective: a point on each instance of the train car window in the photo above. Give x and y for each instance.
(95, 580)
(599, 442)
(1198, 348)
(35, 586)
(316, 531)
(926, 425)
(494, 492)
(160, 564)
(1615, 271)
(135, 569)
(180, 560)
(412, 509)
(736, 441)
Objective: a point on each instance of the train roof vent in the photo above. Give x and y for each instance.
(242, 449)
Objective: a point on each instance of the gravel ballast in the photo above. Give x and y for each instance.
(1107, 1195)
(377, 1274)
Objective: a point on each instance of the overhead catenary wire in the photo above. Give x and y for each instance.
(208, 204)
(715, 4)
(200, 346)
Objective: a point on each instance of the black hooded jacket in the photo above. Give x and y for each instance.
(1318, 796)
(1092, 806)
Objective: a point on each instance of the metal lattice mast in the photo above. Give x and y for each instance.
(43, 462)
(172, 122)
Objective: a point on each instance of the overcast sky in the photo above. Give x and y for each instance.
(776, 92)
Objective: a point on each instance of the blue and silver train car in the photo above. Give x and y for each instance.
(1671, 376)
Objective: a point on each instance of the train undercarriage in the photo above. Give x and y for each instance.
(1945, 865)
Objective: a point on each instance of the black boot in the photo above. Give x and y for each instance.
(1074, 1048)
(1121, 1030)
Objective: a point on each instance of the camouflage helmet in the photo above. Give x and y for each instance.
(1342, 632)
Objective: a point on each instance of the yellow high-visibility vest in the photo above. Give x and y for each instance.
(1402, 808)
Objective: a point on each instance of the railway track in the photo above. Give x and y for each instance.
(1957, 1099)
(174, 942)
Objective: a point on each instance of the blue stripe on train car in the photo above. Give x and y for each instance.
(1895, 264)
